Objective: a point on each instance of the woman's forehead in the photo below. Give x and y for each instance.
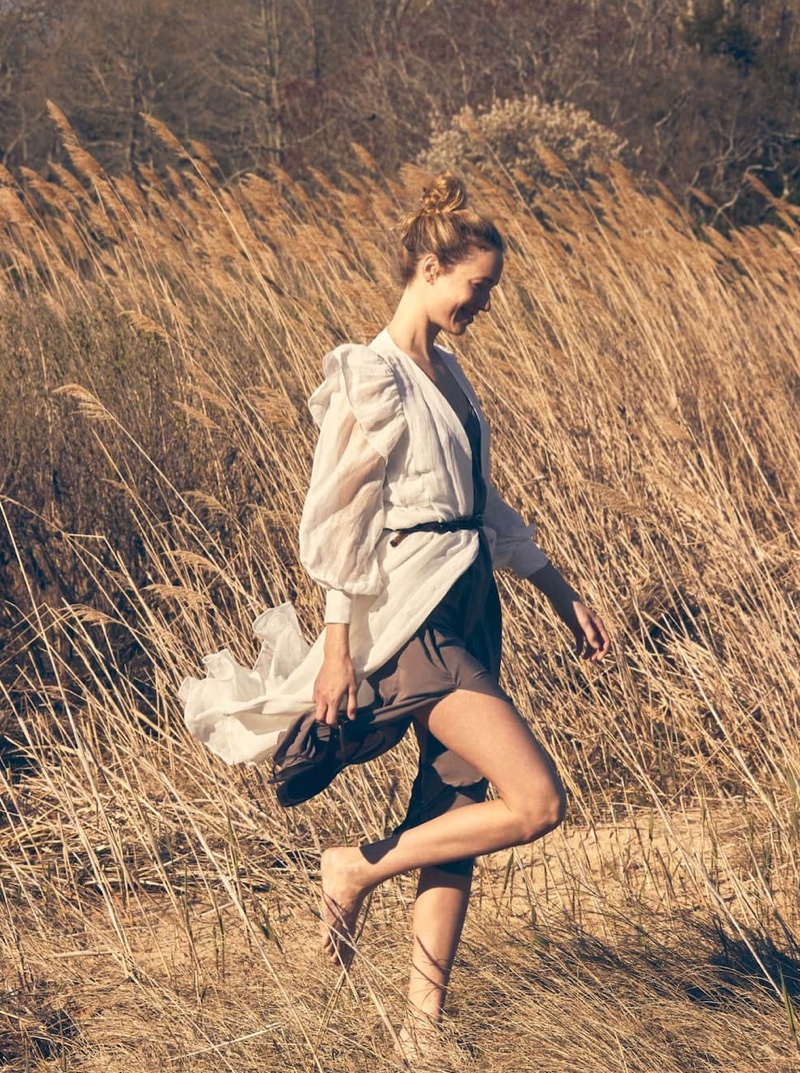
(484, 264)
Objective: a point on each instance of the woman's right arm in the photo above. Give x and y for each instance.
(337, 677)
(361, 419)
(341, 521)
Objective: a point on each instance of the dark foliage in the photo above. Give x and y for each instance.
(706, 93)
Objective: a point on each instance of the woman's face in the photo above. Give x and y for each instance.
(458, 294)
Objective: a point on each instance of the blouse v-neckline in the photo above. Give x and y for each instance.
(443, 404)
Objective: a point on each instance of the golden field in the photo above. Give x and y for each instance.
(157, 345)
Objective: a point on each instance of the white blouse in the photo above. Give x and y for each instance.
(391, 453)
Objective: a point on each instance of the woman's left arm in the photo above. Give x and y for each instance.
(514, 547)
(591, 637)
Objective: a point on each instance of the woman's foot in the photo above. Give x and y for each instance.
(419, 1040)
(343, 894)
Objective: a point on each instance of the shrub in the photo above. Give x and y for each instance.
(522, 135)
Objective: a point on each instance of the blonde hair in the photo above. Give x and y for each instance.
(443, 226)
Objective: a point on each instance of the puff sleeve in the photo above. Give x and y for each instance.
(360, 416)
(513, 544)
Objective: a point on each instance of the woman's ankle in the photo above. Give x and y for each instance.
(421, 1028)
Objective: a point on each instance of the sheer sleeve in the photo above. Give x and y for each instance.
(360, 416)
(513, 544)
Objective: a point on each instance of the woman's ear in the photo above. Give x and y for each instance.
(430, 267)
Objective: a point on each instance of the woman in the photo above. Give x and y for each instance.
(403, 527)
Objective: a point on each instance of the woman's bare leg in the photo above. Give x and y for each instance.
(490, 735)
(439, 912)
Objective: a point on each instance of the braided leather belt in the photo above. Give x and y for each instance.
(475, 521)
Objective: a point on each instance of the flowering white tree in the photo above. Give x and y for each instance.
(545, 142)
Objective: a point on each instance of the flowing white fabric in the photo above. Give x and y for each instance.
(391, 453)
(361, 420)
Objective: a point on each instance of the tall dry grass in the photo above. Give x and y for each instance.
(158, 343)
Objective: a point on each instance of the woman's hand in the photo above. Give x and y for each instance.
(337, 677)
(591, 637)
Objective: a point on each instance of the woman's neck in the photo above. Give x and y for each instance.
(412, 330)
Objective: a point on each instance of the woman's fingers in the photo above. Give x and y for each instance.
(593, 643)
(597, 637)
(326, 707)
(328, 701)
(331, 713)
(591, 637)
(321, 710)
(605, 638)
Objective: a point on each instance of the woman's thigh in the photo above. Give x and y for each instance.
(490, 735)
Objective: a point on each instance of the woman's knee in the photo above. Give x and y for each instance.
(542, 810)
(556, 805)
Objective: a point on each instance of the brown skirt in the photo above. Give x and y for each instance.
(456, 647)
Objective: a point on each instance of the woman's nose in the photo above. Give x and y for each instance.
(487, 304)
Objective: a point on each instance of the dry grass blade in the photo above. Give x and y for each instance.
(83, 162)
(143, 323)
(88, 404)
(164, 134)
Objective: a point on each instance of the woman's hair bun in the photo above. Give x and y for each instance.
(444, 226)
(445, 193)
